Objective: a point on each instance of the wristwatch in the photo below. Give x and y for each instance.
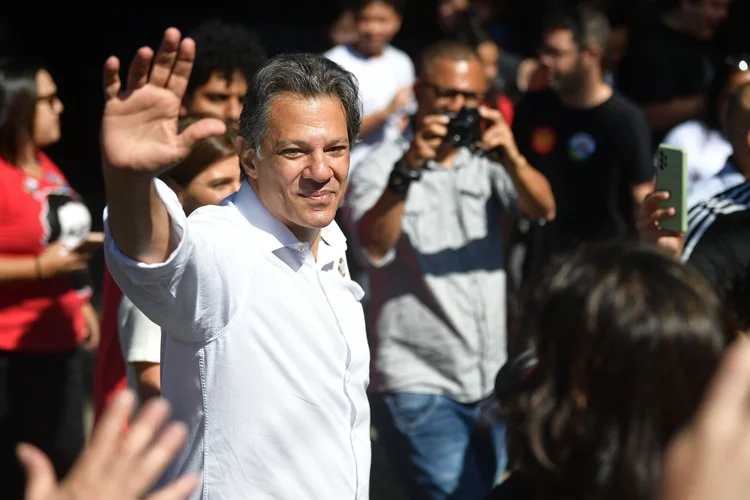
(402, 176)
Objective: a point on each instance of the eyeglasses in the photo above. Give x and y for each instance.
(738, 63)
(451, 93)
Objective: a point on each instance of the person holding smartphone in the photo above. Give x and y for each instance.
(46, 316)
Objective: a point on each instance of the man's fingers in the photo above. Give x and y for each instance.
(156, 459)
(165, 57)
(111, 77)
(207, 127)
(433, 119)
(143, 429)
(107, 432)
(725, 406)
(491, 114)
(178, 81)
(40, 474)
(179, 489)
(138, 71)
(433, 130)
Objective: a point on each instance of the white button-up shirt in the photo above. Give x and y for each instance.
(264, 353)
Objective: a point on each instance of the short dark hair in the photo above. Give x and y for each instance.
(397, 5)
(18, 99)
(307, 75)
(203, 154)
(224, 48)
(453, 50)
(589, 26)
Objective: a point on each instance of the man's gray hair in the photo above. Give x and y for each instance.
(307, 75)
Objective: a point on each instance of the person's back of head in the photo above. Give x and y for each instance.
(625, 340)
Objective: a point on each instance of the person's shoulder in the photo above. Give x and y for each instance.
(215, 220)
(398, 55)
(340, 54)
(687, 130)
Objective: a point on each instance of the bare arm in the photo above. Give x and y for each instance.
(535, 197)
(665, 115)
(380, 228)
(56, 260)
(375, 120)
(149, 380)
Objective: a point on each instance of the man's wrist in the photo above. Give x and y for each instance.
(402, 176)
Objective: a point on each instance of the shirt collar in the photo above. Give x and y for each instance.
(274, 234)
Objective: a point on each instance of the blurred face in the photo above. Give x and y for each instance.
(489, 54)
(735, 81)
(302, 176)
(561, 59)
(377, 24)
(450, 85)
(704, 16)
(219, 98)
(211, 186)
(48, 111)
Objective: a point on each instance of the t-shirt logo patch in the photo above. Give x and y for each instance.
(581, 146)
(342, 267)
(543, 140)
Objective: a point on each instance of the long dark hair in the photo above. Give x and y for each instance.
(626, 340)
(18, 98)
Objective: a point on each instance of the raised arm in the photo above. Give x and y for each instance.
(139, 141)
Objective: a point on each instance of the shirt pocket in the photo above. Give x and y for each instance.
(474, 204)
(424, 222)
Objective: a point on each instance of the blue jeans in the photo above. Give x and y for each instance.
(439, 446)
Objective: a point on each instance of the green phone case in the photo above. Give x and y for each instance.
(672, 176)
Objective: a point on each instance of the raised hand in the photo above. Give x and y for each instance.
(117, 464)
(139, 126)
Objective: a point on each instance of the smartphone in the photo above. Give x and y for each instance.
(672, 176)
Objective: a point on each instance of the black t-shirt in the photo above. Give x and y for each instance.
(663, 64)
(722, 254)
(592, 159)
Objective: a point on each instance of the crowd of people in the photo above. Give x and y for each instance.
(456, 258)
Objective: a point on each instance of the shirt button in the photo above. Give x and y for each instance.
(348, 379)
(302, 248)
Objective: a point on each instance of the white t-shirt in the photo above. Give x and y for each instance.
(140, 339)
(707, 150)
(380, 79)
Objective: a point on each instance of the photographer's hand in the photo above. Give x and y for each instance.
(427, 140)
(498, 138)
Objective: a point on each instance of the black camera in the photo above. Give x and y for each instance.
(465, 127)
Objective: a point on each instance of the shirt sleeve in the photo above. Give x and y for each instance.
(367, 183)
(140, 338)
(635, 149)
(503, 187)
(192, 295)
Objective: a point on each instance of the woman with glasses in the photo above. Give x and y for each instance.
(45, 310)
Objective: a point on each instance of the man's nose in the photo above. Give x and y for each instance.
(319, 170)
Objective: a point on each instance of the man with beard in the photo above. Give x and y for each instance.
(591, 143)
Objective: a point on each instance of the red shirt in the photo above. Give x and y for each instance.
(40, 315)
(109, 367)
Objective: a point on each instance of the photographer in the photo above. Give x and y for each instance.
(425, 216)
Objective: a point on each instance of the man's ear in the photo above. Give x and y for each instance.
(175, 187)
(247, 157)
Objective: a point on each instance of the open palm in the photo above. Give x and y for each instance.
(139, 126)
